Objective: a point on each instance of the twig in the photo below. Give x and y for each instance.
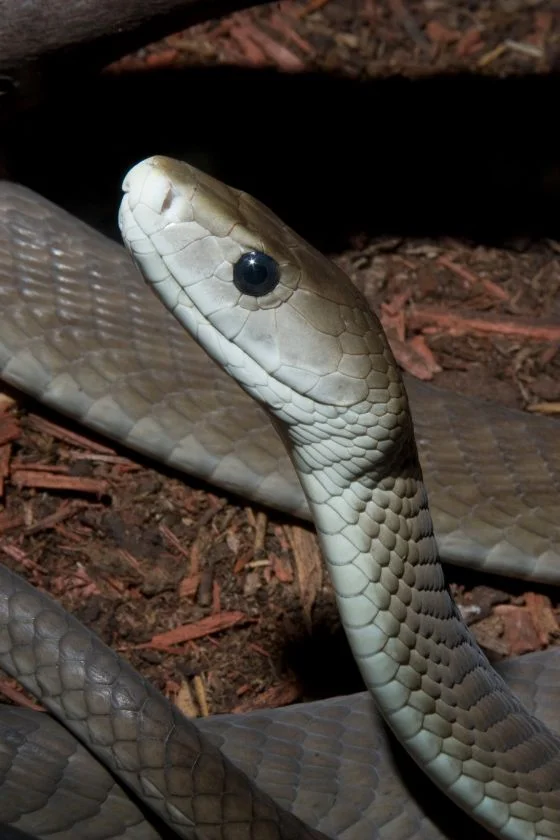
(18, 697)
(471, 279)
(55, 481)
(433, 319)
(65, 510)
(39, 424)
(196, 630)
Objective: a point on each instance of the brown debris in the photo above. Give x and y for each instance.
(65, 511)
(440, 34)
(20, 556)
(9, 430)
(519, 634)
(540, 609)
(197, 630)
(8, 688)
(471, 280)
(432, 319)
(261, 524)
(489, 633)
(175, 542)
(309, 567)
(252, 51)
(205, 588)
(311, 6)
(282, 25)
(279, 54)
(544, 408)
(200, 694)
(8, 522)
(469, 43)
(6, 402)
(282, 567)
(413, 355)
(40, 424)
(189, 585)
(5, 454)
(53, 480)
(185, 701)
(272, 698)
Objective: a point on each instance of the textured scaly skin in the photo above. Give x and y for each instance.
(141, 737)
(317, 359)
(81, 332)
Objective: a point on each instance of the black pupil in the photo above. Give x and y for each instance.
(256, 274)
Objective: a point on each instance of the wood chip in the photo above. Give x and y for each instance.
(65, 511)
(54, 481)
(434, 319)
(20, 556)
(216, 597)
(168, 535)
(10, 430)
(17, 696)
(415, 357)
(39, 424)
(185, 701)
(261, 525)
(544, 408)
(282, 567)
(9, 521)
(6, 402)
(309, 567)
(543, 616)
(272, 698)
(204, 594)
(5, 456)
(520, 634)
(489, 635)
(189, 585)
(196, 630)
(471, 281)
(282, 57)
(200, 694)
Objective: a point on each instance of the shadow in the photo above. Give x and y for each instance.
(461, 155)
(322, 661)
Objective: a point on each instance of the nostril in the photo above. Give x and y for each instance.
(167, 201)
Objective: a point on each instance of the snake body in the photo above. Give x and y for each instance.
(66, 336)
(291, 329)
(80, 332)
(64, 344)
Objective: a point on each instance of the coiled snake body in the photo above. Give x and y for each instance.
(328, 378)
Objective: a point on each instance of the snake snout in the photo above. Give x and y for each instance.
(147, 184)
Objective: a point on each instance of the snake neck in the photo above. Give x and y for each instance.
(432, 683)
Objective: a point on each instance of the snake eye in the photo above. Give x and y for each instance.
(255, 274)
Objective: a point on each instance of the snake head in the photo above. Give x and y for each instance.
(279, 317)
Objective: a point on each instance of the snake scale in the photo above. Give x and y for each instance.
(46, 337)
(492, 477)
(290, 328)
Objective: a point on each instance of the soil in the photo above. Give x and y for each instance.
(223, 605)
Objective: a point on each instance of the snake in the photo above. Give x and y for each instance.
(308, 349)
